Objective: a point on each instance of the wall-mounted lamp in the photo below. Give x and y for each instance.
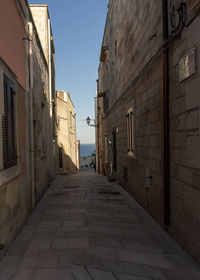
(88, 120)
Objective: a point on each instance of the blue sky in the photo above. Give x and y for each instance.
(78, 27)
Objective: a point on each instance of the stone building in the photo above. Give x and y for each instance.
(68, 145)
(25, 123)
(15, 193)
(148, 102)
(43, 25)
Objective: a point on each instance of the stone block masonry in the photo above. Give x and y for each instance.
(131, 77)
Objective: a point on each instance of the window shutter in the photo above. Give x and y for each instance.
(12, 143)
(5, 126)
(131, 128)
(5, 141)
(128, 132)
(8, 125)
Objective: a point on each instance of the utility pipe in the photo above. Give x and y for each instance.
(97, 132)
(32, 144)
(50, 101)
(166, 113)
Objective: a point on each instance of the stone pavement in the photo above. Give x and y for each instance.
(86, 228)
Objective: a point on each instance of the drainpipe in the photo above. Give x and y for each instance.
(30, 26)
(50, 101)
(97, 133)
(166, 113)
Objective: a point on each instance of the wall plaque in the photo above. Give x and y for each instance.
(187, 65)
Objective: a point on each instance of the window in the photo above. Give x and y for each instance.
(70, 119)
(73, 121)
(105, 102)
(106, 148)
(60, 158)
(130, 132)
(43, 127)
(9, 126)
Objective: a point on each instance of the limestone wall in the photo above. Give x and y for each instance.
(131, 76)
(66, 131)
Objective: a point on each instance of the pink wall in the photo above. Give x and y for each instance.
(12, 45)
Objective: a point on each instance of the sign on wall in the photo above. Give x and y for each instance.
(187, 65)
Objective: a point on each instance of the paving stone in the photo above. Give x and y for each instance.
(8, 267)
(169, 274)
(143, 245)
(50, 225)
(37, 245)
(53, 274)
(26, 233)
(60, 252)
(130, 277)
(85, 235)
(18, 249)
(131, 268)
(70, 243)
(73, 223)
(40, 262)
(24, 274)
(101, 274)
(80, 259)
(115, 243)
(156, 260)
(101, 252)
(105, 229)
(80, 273)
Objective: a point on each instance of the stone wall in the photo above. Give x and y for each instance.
(185, 135)
(40, 15)
(16, 196)
(15, 191)
(131, 76)
(66, 132)
(41, 116)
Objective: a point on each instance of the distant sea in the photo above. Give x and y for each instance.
(87, 149)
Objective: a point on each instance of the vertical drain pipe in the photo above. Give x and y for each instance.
(166, 113)
(97, 134)
(50, 101)
(32, 144)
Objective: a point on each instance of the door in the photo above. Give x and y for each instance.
(114, 135)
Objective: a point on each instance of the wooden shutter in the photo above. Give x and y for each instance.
(8, 125)
(13, 156)
(131, 129)
(128, 132)
(5, 126)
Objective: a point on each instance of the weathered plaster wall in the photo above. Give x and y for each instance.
(15, 198)
(12, 32)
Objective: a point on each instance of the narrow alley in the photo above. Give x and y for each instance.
(85, 228)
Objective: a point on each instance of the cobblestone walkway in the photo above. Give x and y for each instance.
(86, 228)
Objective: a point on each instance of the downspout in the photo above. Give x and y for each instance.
(76, 143)
(50, 101)
(166, 113)
(30, 26)
(97, 133)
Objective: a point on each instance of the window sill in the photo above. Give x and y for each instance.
(9, 174)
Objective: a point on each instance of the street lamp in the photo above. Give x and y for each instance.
(88, 120)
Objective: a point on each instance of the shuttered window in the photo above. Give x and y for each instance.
(130, 132)
(9, 127)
